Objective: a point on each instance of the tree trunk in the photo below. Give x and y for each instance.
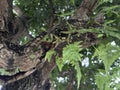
(38, 80)
(32, 82)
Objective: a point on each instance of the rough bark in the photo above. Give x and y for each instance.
(25, 65)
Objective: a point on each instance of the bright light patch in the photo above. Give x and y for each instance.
(0, 87)
(85, 62)
(61, 79)
(113, 43)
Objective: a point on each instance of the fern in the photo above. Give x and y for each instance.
(102, 81)
(72, 56)
(79, 75)
(49, 54)
(115, 76)
(108, 81)
(71, 53)
(59, 63)
(108, 54)
(111, 31)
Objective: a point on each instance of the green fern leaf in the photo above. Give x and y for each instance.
(71, 53)
(49, 55)
(59, 63)
(78, 75)
(108, 54)
(72, 56)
